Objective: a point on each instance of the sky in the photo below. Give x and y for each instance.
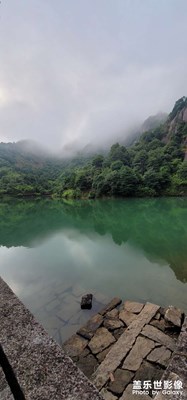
(81, 72)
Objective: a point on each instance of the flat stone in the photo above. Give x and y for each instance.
(158, 324)
(102, 339)
(113, 313)
(127, 395)
(112, 324)
(100, 356)
(108, 395)
(141, 348)
(121, 380)
(88, 365)
(155, 334)
(84, 353)
(160, 355)
(74, 346)
(118, 332)
(173, 315)
(121, 348)
(148, 371)
(113, 303)
(133, 306)
(90, 328)
(127, 317)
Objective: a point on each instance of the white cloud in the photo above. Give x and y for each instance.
(80, 72)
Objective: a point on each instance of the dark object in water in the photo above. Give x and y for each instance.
(86, 301)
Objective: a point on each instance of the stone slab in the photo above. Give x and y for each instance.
(148, 371)
(173, 315)
(113, 313)
(111, 324)
(158, 324)
(155, 334)
(116, 301)
(88, 365)
(127, 317)
(141, 348)
(74, 346)
(41, 366)
(102, 355)
(108, 395)
(121, 380)
(160, 355)
(121, 348)
(90, 328)
(133, 306)
(101, 340)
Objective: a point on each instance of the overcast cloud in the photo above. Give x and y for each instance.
(83, 71)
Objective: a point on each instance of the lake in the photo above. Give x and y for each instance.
(52, 252)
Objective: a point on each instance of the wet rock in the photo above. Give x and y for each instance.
(141, 348)
(173, 315)
(121, 380)
(158, 324)
(113, 313)
(74, 346)
(127, 317)
(113, 303)
(85, 352)
(88, 365)
(90, 328)
(101, 356)
(160, 355)
(118, 332)
(155, 334)
(86, 301)
(133, 306)
(108, 395)
(150, 371)
(102, 339)
(112, 324)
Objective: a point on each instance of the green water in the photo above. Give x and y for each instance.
(52, 252)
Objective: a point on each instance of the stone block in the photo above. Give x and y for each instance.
(127, 317)
(90, 328)
(141, 348)
(74, 346)
(101, 340)
(133, 306)
(112, 324)
(113, 303)
(121, 380)
(155, 334)
(160, 355)
(108, 395)
(173, 315)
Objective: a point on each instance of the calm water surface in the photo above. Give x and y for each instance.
(52, 252)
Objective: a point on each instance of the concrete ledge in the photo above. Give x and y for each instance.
(40, 366)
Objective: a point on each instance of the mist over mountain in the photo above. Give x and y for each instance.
(155, 164)
(72, 150)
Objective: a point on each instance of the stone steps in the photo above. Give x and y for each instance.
(133, 342)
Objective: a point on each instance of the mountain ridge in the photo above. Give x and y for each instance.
(154, 165)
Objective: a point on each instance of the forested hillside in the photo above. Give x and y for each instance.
(155, 165)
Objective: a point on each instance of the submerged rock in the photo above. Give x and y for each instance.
(86, 301)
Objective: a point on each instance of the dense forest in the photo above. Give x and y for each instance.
(154, 165)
